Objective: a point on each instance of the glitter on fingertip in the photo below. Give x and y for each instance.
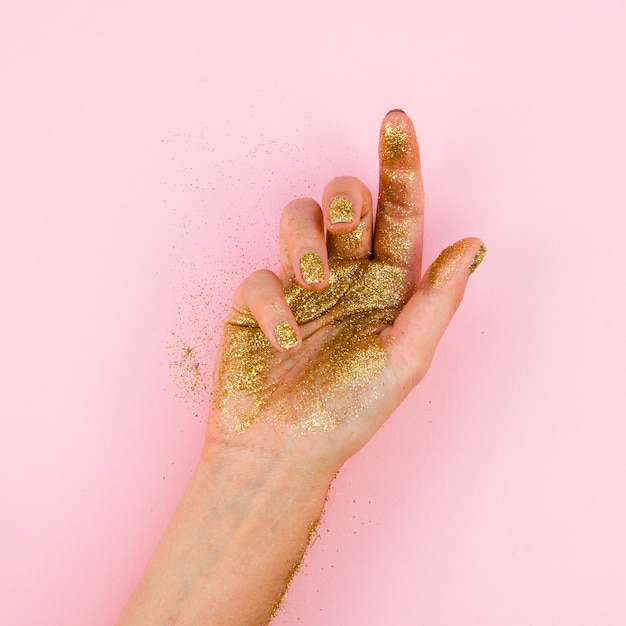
(445, 264)
(478, 259)
(396, 145)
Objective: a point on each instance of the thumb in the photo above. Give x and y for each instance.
(416, 332)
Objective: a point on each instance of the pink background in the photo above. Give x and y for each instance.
(146, 150)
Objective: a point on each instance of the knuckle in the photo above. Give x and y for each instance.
(296, 207)
(413, 364)
(294, 213)
(258, 279)
(420, 368)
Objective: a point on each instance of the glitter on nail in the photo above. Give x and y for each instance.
(312, 268)
(446, 263)
(341, 210)
(478, 259)
(285, 335)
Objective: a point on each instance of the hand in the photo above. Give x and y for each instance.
(314, 361)
(311, 364)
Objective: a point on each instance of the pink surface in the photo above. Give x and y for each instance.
(146, 149)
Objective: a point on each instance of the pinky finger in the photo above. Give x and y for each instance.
(262, 295)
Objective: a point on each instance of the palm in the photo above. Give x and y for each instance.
(332, 377)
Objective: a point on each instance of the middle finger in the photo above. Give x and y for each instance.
(400, 215)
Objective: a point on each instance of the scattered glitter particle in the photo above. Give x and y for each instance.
(188, 373)
(313, 534)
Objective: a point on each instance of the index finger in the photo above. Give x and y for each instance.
(400, 215)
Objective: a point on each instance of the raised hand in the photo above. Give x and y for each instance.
(314, 361)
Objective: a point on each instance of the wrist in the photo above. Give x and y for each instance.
(268, 452)
(235, 540)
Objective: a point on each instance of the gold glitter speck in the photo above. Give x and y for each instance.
(188, 369)
(312, 268)
(446, 263)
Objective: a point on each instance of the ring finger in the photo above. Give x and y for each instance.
(303, 245)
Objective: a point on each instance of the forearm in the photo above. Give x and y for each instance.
(233, 543)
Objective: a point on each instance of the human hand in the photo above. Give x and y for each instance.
(311, 364)
(314, 361)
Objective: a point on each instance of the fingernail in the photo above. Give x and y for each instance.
(312, 268)
(396, 111)
(478, 259)
(446, 263)
(286, 335)
(341, 210)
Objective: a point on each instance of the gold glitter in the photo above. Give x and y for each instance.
(478, 259)
(446, 263)
(350, 245)
(312, 268)
(396, 149)
(340, 210)
(397, 187)
(331, 378)
(294, 568)
(394, 240)
(286, 335)
(187, 367)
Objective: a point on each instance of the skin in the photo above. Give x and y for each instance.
(246, 517)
